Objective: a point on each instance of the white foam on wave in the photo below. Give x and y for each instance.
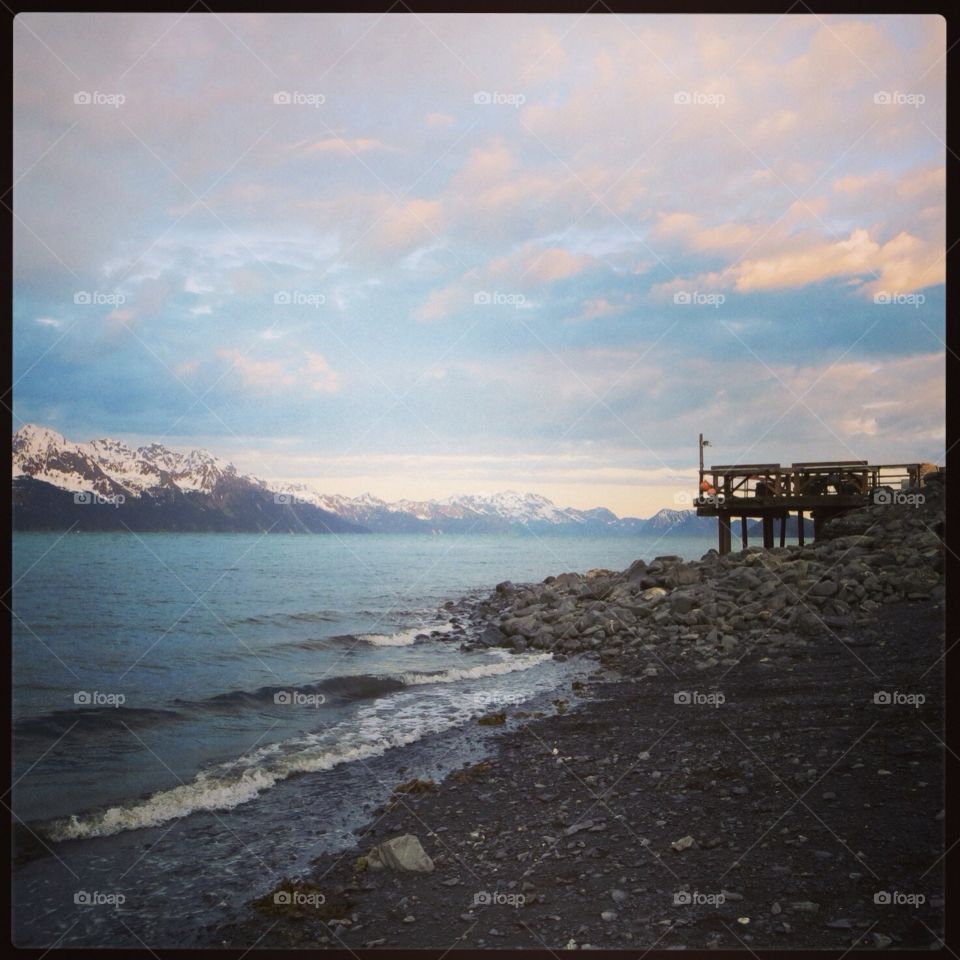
(214, 790)
(454, 674)
(239, 781)
(403, 638)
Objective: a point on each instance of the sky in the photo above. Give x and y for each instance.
(430, 255)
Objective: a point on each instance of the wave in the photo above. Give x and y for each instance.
(400, 638)
(278, 619)
(210, 791)
(348, 687)
(456, 674)
(362, 686)
(403, 638)
(88, 721)
(228, 785)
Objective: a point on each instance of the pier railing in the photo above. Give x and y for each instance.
(772, 492)
(773, 484)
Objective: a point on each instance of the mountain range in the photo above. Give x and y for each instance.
(107, 485)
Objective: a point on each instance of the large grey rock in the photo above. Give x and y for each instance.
(403, 853)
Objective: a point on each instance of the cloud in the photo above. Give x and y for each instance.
(531, 267)
(598, 308)
(311, 370)
(799, 196)
(903, 264)
(343, 146)
(47, 321)
(259, 375)
(320, 376)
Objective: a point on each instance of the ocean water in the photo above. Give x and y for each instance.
(197, 716)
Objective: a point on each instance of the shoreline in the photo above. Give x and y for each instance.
(740, 784)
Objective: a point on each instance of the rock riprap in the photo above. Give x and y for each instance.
(713, 611)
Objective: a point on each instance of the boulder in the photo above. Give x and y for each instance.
(403, 853)
(492, 636)
(654, 593)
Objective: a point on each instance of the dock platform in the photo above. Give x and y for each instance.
(771, 492)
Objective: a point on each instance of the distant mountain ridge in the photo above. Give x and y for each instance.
(107, 485)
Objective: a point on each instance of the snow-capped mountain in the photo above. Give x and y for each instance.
(109, 466)
(57, 483)
(476, 512)
(156, 488)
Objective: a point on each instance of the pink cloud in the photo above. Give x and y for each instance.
(258, 375)
(321, 376)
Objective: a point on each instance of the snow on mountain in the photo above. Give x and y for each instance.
(111, 467)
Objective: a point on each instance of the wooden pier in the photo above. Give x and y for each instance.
(770, 492)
